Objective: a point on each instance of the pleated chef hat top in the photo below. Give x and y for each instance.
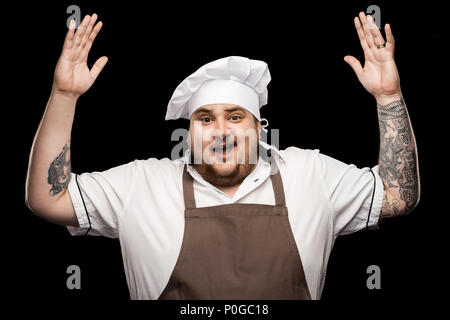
(231, 80)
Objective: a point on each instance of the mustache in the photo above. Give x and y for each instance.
(222, 145)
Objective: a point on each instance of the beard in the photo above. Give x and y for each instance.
(210, 173)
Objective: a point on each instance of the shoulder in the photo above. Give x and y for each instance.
(295, 156)
(164, 168)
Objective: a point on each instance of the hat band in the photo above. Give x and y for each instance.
(217, 91)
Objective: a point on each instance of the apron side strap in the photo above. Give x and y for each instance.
(277, 185)
(188, 189)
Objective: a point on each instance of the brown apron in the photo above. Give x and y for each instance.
(237, 251)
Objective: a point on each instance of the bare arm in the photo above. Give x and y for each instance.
(398, 167)
(49, 168)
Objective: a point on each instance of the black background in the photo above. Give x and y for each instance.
(314, 99)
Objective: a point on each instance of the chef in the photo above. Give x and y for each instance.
(215, 224)
(251, 235)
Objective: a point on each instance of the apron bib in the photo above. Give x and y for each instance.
(237, 251)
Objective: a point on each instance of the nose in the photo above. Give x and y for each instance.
(220, 126)
(221, 131)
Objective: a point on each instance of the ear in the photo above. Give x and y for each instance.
(190, 133)
(259, 130)
(258, 127)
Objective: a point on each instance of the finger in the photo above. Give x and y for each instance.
(390, 41)
(80, 32)
(367, 34)
(88, 30)
(98, 67)
(355, 64)
(91, 39)
(361, 36)
(376, 34)
(68, 41)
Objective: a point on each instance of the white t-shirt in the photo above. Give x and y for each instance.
(141, 203)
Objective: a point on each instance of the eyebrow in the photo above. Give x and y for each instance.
(202, 110)
(208, 111)
(234, 109)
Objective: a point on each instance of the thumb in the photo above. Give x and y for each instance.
(98, 66)
(355, 64)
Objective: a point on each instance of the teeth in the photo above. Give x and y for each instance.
(223, 148)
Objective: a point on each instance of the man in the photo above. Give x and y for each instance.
(224, 221)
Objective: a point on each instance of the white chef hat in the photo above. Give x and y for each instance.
(234, 80)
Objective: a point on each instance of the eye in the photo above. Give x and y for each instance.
(235, 117)
(206, 119)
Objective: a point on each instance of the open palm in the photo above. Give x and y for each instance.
(72, 74)
(379, 76)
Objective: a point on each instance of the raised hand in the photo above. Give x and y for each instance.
(72, 74)
(379, 76)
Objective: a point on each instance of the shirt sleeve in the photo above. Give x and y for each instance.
(99, 199)
(355, 194)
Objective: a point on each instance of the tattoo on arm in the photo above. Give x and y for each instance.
(59, 171)
(397, 160)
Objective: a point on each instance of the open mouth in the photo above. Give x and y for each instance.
(223, 150)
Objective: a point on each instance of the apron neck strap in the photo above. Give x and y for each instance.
(275, 176)
(188, 189)
(277, 184)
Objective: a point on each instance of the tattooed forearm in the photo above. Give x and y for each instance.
(397, 160)
(59, 171)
